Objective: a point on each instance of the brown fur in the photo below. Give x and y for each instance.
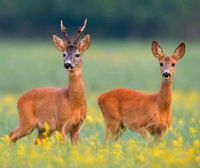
(147, 114)
(63, 109)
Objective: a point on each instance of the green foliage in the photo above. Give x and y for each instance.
(121, 18)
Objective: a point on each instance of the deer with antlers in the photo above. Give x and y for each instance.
(64, 109)
(147, 114)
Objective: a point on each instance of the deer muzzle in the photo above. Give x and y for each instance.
(68, 65)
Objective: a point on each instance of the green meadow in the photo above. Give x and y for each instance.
(106, 65)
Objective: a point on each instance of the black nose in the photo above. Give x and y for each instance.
(166, 74)
(67, 65)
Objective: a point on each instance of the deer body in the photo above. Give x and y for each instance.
(55, 106)
(64, 109)
(147, 114)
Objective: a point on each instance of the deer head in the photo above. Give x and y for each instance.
(167, 63)
(72, 52)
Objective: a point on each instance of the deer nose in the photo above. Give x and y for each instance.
(68, 65)
(166, 74)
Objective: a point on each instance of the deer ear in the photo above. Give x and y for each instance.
(157, 50)
(84, 44)
(179, 52)
(59, 43)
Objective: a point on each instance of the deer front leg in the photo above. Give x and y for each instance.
(145, 134)
(159, 133)
(66, 129)
(157, 138)
(73, 130)
(74, 134)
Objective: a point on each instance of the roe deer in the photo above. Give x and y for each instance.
(64, 109)
(147, 114)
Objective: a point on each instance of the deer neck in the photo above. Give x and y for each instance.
(165, 95)
(75, 91)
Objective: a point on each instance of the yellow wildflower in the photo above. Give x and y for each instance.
(197, 159)
(196, 144)
(20, 151)
(141, 158)
(178, 143)
(5, 139)
(117, 151)
(59, 137)
(192, 131)
(47, 130)
(33, 155)
(9, 100)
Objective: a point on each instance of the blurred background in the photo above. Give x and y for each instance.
(107, 18)
(120, 54)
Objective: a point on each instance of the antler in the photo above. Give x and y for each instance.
(81, 29)
(64, 31)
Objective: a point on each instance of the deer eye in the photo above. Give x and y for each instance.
(77, 55)
(161, 64)
(173, 64)
(64, 55)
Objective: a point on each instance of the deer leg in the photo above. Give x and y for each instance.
(27, 122)
(159, 133)
(121, 130)
(74, 136)
(112, 131)
(21, 132)
(145, 134)
(157, 138)
(66, 129)
(111, 116)
(14, 135)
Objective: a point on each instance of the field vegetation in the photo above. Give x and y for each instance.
(107, 64)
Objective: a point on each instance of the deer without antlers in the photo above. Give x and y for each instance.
(64, 109)
(147, 114)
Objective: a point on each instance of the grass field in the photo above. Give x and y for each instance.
(30, 64)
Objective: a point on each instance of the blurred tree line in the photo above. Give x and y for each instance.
(110, 18)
